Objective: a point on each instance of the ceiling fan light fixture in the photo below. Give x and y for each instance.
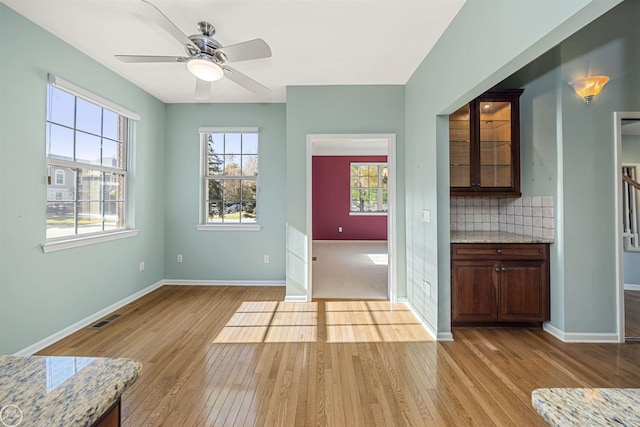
(204, 69)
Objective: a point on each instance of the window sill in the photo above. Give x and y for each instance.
(76, 242)
(228, 227)
(368, 213)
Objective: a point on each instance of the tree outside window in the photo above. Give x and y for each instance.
(369, 193)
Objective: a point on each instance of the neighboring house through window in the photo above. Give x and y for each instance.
(59, 177)
(369, 188)
(230, 176)
(86, 147)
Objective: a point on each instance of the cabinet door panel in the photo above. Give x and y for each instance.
(474, 286)
(522, 291)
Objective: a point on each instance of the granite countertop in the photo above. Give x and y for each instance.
(61, 391)
(495, 237)
(588, 406)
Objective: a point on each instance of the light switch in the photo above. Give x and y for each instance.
(426, 215)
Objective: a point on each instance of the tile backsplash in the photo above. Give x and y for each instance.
(532, 216)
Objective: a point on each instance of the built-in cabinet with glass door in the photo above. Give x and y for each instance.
(484, 144)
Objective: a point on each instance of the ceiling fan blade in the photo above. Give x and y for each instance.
(245, 81)
(203, 90)
(252, 49)
(161, 19)
(147, 58)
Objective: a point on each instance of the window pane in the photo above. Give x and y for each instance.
(232, 211)
(65, 190)
(250, 165)
(87, 148)
(61, 107)
(89, 185)
(60, 219)
(232, 143)
(232, 165)
(112, 154)
(113, 215)
(89, 217)
(231, 191)
(385, 176)
(110, 125)
(215, 163)
(216, 143)
(215, 190)
(214, 210)
(248, 212)
(248, 190)
(249, 143)
(113, 187)
(88, 116)
(59, 142)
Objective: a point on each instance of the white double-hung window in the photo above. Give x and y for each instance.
(87, 147)
(369, 193)
(230, 178)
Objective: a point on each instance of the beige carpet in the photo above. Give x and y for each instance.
(345, 269)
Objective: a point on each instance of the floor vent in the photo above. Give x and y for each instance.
(104, 322)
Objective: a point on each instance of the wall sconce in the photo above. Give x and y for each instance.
(589, 87)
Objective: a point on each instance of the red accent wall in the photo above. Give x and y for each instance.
(331, 202)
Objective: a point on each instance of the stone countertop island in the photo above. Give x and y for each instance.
(62, 391)
(588, 406)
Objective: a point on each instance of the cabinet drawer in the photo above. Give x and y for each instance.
(499, 251)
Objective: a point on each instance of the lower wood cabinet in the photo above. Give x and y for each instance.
(504, 284)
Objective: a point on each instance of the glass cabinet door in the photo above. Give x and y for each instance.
(495, 144)
(460, 148)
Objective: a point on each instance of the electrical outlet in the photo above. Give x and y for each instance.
(339, 229)
(425, 215)
(266, 259)
(426, 287)
(141, 266)
(179, 258)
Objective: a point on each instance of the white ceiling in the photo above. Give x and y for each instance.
(314, 42)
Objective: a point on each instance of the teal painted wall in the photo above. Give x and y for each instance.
(330, 110)
(518, 33)
(224, 255)
(41, 294)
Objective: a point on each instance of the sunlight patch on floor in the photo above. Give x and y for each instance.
(345, 322)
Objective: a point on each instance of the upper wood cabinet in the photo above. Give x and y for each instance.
(484, 146)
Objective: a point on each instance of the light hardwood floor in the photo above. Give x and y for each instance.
(215, 356)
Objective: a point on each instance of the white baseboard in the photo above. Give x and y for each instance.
(631, 287)
(445, 336)
(580, 337)
(86, 321)
(181, 282)
(424, 324)
(295, 298)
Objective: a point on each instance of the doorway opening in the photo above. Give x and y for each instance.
(343, 267)
(627, 162)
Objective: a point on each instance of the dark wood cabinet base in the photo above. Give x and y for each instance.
(499, 284)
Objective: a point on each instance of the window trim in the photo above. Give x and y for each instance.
(203, 225)
(76, 240)
(379, 187)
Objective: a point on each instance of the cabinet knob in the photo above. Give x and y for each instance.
(503, 269)
(499, 251)
(498, 269)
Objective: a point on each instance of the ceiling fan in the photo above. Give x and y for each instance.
(206, 58)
